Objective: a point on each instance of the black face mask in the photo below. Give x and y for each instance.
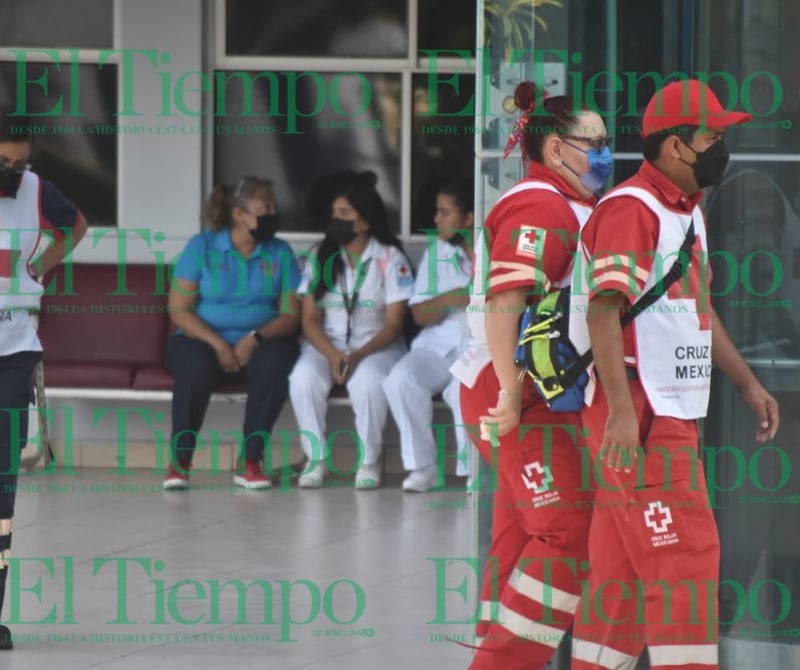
(10, 179)
(266, 227)
(457, 240)
(341, 231)
(710, 164)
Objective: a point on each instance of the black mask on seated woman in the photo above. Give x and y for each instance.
(266, 227)
(341, 231)
(457, 240)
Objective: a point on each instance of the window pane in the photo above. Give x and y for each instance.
(749, 44)
(343, 28)
(339, 122)
(571, 38)
(641, 49)
(68, 149)
(447, 24)
(754, 230)
(87, 24)
(442, 146)
(623, 169)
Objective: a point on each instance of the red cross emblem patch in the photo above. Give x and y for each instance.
(404, 276)
(658, 517)
(530, 242)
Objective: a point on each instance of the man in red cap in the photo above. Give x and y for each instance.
(653, 544)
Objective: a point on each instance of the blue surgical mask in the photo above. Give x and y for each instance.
(600, 166)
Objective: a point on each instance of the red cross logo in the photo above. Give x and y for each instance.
(658, 517)
(403, 271)
(531, 235)
(530, 242)
(540, 483)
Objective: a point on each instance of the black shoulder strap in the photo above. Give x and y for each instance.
(677, 270)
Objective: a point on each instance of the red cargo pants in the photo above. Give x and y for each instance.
(540, 523)
(653, 552)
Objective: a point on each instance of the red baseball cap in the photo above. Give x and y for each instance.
(689, 102)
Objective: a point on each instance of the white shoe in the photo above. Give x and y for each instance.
(368, 476)
(421, 480)
(313, 475)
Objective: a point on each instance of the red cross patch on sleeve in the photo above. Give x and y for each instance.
(531, 242)
(404, 275)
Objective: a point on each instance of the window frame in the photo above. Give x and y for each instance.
(406, 67)
(85, 57)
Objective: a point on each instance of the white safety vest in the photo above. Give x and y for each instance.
(476, 356)
(673, 354)
(19, 292)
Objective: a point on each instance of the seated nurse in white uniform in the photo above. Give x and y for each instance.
(355, 291)
(438, 305)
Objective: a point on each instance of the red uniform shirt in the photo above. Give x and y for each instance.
(532, 235)
(621, 237)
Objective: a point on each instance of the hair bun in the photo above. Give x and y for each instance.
(369, 177)
(525, 95)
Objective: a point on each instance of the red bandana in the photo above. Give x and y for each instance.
(519, 128)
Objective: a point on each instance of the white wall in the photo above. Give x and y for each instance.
(160, 176)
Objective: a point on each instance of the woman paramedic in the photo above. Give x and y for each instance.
(355, 290)
(542, 501)
(438, 306)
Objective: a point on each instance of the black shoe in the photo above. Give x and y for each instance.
(5, 639)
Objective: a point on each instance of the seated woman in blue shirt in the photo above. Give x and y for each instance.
(234, 304)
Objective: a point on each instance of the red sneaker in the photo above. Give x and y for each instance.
(177, 479)
(253, 477)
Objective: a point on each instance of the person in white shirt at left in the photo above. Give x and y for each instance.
(39, 229)
(440, 298)
(355, 292)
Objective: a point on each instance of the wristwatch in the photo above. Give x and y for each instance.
(258, 336)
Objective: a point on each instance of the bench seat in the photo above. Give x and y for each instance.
(104, 329)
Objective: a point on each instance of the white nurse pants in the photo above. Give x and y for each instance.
(310, 384)
(410, 388)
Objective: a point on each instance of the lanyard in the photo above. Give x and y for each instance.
(350, 302)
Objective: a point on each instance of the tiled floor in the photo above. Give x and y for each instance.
(355, 579)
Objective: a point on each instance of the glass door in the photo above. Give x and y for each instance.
(754, 222)
(610, 56)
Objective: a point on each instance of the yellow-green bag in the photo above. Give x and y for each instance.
(546, 353)
(548, 356)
